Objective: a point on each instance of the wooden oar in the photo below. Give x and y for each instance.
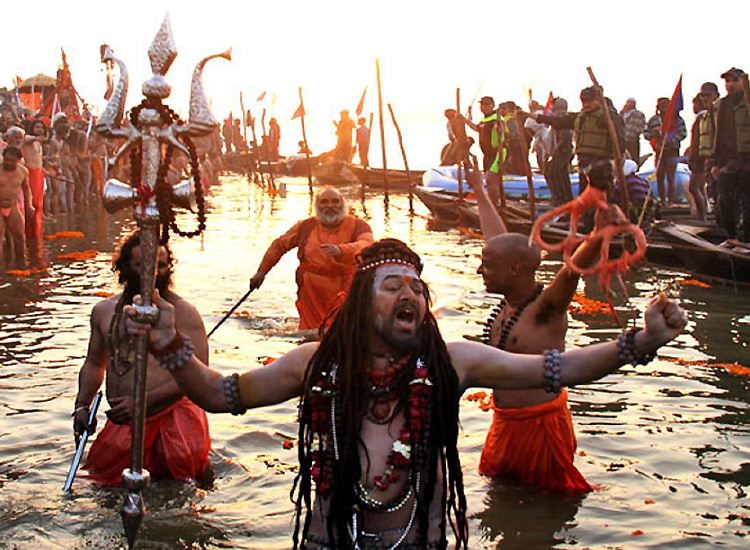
(382, 131)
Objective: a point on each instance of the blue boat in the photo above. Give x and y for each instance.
(445, 178)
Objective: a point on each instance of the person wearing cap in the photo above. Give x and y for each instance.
(668, 149)
(491, 136)
(635, 123)
(730, 161)
(594, 147)
(701, 142)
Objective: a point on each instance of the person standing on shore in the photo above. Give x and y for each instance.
(14, 181)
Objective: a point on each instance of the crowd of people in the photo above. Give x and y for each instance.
(718, 151)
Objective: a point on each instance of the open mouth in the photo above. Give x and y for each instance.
(406, 317)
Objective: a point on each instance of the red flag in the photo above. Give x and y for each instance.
(549, 109)
(669, 124)
(18, 80)
(361, 104)
(262, 96)
(300, 112)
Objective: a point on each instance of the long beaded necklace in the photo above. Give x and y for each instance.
(510, 323)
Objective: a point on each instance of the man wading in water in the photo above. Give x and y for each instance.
(379, 403)
(531, 438)
(176, 430)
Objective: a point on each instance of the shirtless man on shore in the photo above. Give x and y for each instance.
(176, 432)
(33, 159)
(14, 178)
(531, 438)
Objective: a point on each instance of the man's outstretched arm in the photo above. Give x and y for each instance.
(274, 383)
(478, 365)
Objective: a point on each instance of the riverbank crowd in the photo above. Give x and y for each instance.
(67, 162)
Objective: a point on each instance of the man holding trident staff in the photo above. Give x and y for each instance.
(153, 125)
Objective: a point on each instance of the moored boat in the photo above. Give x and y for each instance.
(446, 178)
(398, 179)
(705, 251)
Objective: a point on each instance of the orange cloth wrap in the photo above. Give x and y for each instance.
(175, 446)
(322, 280)
(36, 185)
(534, 445)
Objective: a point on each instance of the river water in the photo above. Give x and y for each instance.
(667, 445)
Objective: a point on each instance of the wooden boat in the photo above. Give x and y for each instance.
(448, 211)
(398, 180)
(334, 173)
(699, 250)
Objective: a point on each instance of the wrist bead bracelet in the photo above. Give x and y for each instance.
(176, 359)
(627, 352)
(174, 344)
(552, 382)
(232, 395)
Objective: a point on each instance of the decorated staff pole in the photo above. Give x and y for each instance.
(153, 127)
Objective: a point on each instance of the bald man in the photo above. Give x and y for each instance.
(328, 244)
(531, 438)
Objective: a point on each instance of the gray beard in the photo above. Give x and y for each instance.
(330, 219)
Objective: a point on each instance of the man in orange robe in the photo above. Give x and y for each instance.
(327, 244)
(531, 438)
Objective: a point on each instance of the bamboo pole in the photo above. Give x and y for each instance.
(244, 121)
(307, 147)
(619, 169)
(382, 130)
(403, 154)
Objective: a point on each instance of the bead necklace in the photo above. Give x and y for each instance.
(510, 323)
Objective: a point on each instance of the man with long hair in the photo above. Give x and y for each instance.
(176, 431)
(378, 421)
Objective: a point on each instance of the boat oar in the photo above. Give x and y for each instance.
(81, 444)
(229, 313)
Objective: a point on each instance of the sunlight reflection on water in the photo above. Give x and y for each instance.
(667, 445)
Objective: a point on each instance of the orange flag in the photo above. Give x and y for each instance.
(300, 112)
(361, 104)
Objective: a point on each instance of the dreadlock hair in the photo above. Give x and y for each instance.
(345, 345)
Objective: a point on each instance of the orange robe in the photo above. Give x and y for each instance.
(535, 445)
(175, 446)
(36, 184)
(322, 280)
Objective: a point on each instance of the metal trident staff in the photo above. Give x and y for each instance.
(153, 124)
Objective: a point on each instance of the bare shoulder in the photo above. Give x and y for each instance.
(182, 306)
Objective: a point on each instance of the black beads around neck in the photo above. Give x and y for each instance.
(510, 323)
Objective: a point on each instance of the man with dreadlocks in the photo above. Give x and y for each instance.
(379, 403)
(176, 432)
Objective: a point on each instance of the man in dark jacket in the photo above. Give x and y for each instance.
(730, 163)
(594, 148)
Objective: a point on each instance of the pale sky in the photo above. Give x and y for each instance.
(426, 50)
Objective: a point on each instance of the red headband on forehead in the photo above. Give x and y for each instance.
(382, 261)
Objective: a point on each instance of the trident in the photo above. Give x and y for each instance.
(152, 125)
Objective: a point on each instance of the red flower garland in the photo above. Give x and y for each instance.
(401, 456)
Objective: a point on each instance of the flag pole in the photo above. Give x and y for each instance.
(304, 139)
